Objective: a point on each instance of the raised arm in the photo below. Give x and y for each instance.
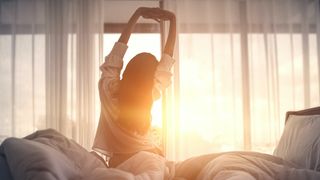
(125, 35)
(111, 68)
(171, 39)
(163, 74)
(141, 11)
(160, 14)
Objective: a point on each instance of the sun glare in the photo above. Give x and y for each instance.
(209, 109)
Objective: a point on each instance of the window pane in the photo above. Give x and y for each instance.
(210, 74)
(22, 75)
(210, 93)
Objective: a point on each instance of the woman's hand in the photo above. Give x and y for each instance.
(159, 14)
(155, 13)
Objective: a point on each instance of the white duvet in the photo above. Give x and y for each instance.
(254, 166)
(47, 155)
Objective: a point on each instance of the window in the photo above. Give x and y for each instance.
(215, 96)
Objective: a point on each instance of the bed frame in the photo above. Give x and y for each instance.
(310, 111)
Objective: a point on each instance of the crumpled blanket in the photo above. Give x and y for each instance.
(48, 155)
(253, 166)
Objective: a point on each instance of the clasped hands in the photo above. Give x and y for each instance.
(156, 14)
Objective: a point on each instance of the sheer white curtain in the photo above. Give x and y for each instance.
(49, 58)
(241, 64)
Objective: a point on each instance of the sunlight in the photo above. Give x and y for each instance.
(209, 111)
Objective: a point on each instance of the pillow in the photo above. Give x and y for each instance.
(29, 159)
(300, 141)
(4, 169)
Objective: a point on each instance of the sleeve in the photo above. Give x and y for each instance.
(163, 75)
(111, 68)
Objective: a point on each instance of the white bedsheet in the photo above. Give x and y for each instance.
(47, 155)
(254, 166)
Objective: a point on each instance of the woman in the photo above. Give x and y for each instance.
(126, 104)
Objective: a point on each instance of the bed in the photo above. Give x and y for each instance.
(296, 157)
(48, 155)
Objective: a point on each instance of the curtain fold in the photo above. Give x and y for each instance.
(50, 52)
(241, 65)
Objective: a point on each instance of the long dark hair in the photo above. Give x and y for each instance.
(135, 93)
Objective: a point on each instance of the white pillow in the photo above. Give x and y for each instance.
(300, 141)
(33, 160)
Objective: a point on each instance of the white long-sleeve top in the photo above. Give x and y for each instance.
(110, 137)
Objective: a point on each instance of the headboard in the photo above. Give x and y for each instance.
(299, 142)
(310, 111)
